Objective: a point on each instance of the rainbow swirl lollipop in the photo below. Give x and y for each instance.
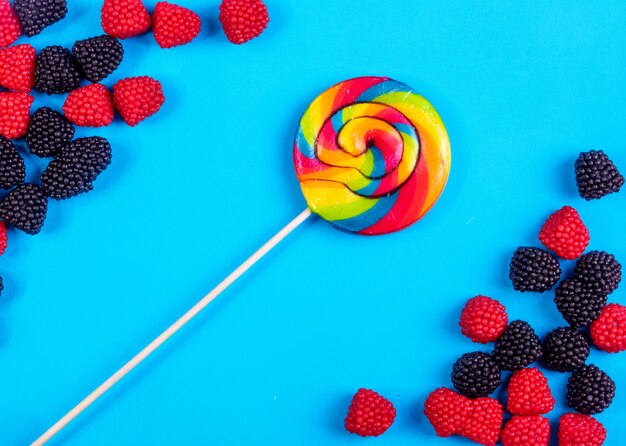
(372, 156)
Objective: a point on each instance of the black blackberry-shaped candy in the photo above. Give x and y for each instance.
(91, 155)
(56, 71)
(61, 181)
(98, 56)
(534, 269)
(596, 175)
(25, 208)
(1, 285)
(590, 390)
(599, 272)
(12, 168)
(74, 170)
(565, 349)
(517, 347)
(35, 15)
(476, 375)
(48, 132)
(578, 305)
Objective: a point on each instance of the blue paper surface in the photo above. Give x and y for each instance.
(522, 86)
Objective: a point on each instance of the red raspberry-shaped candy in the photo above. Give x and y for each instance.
(124, 18)
(526, 431)
(565, 233)
(484, 423)
(447, 411)
(608, 331)
(369, 414)
(17, 68)
(580, 430)
(483, 319)
(529, 393)
(137, 98)
(14, 114)
(3, 238)
(243, 20)
(174, 25)
(10, 28)
(89, 106)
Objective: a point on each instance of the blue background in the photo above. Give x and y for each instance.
(194, 190)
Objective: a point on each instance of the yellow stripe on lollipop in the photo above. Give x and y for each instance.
(333, 201)
(432, 135)
(350, 178)
(315, 116)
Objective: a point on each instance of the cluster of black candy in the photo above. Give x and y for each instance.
(57, 70)
(565, 349)
(478, 374)
(76, 167)
(579, 298)
(76, 164)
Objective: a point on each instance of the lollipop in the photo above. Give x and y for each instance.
(372, 157)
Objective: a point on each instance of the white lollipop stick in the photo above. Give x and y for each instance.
(143, 354)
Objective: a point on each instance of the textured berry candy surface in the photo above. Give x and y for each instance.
(369, 414)
(476, 374)
(243, 20)
(529, 394)
(10, 28)
(608, 331)
(48, 132)
(124, 18)
(526, 431)
(174, 25)
(3, 238)
(483, 319)
(599, 272)
(580, 430)
(25, 208)
(484, 423)
(73, 171)
(590, 390)
(565, 349)
(12, 168)
(518, 347)
(98, 56)
(578, 305)
(565, 233)
(36, 15)
(534, 269)
(14, 113)
(89, 106)
(17, 68)
(137, 98)
(596, 175)
(447, 411)
(56, 71)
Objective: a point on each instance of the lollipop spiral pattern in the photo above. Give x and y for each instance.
(372, 156)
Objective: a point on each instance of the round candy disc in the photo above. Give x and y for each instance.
(372, 156)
